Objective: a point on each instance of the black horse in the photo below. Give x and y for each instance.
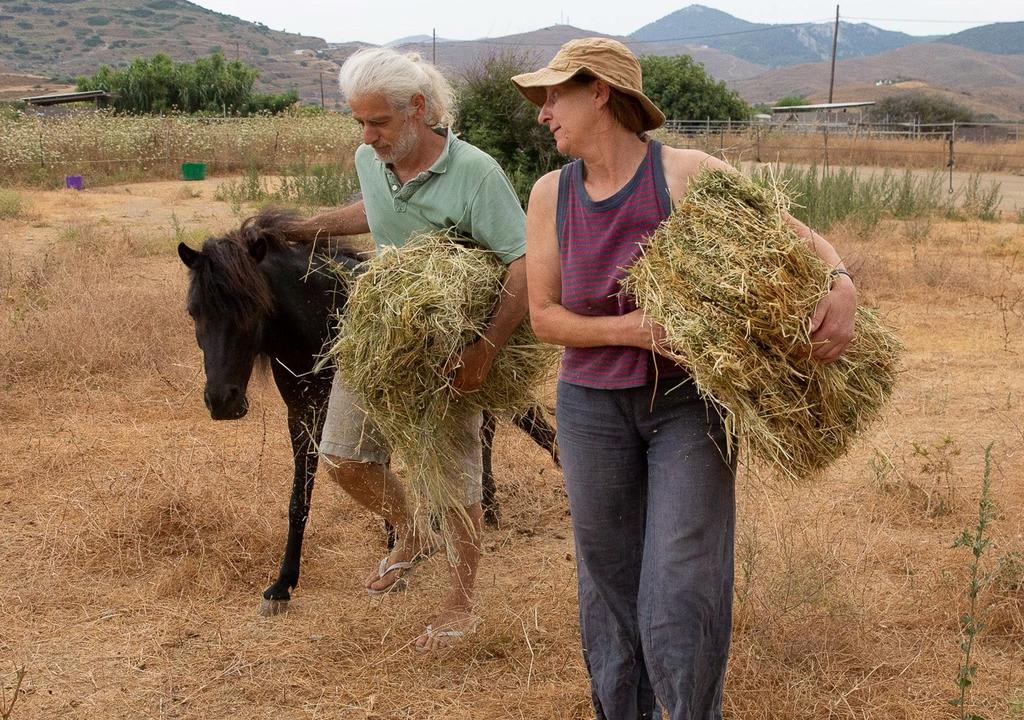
(253, 295)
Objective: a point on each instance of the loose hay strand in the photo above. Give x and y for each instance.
(407, 319)
(734, 285)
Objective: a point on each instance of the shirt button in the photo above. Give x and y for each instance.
(394, 187)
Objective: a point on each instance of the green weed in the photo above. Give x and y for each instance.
(981, 202)
(976, 541)
(300, 185)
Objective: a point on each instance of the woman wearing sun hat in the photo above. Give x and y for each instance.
(650, 490)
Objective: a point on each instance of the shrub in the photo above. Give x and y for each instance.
(791, 101)
(492, 115)
(684, 91)
(211, 84)
(919, 107)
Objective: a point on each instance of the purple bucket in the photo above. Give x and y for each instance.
(73, 182)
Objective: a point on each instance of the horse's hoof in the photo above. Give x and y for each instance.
(270, 608)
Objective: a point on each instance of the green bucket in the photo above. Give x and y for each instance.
(193, 171)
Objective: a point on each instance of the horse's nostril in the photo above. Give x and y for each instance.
(208, 399)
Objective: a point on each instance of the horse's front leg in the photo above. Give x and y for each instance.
(534, 422)
(489, 501)
(302, 427)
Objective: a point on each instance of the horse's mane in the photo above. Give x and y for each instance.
(230, 280)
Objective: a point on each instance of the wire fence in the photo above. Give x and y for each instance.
(974, 147)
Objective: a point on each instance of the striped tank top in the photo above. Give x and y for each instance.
(596, 241)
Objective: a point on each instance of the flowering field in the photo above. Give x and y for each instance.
(105, 147)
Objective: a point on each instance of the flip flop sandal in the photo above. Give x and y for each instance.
(402, 581)
(450, 634)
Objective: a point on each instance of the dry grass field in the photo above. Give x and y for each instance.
(136, 534)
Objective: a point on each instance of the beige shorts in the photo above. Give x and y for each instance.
(350, 435)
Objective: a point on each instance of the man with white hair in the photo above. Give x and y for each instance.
(416, 176)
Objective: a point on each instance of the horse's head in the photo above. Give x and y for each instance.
(230, 302)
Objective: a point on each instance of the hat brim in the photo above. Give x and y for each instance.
(533, 87)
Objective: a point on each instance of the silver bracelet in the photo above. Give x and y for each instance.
(836, 272)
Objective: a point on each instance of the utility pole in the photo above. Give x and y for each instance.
(433, 51)
(835, 41)
(321, 89)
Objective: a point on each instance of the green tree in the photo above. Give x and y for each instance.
(157, 85)
(491, 114)
(684, 91)
(791, 101)
(919, 107)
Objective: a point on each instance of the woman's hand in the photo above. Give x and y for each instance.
(646, 333)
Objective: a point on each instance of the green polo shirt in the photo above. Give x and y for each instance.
(465, 190)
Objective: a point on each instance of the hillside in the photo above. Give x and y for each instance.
(541, 45)
(984, 82)
(66, 38)
(998, 38)
(773, 45)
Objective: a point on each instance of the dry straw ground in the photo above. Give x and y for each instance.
(136, 533)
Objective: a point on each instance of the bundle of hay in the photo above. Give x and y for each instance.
(734, 287)
(406, 321)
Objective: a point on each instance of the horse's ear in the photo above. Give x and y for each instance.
(190, 257)
(258, 247)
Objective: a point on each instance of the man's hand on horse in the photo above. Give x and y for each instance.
(473, 365)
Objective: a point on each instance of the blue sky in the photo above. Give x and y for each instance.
(379, 22)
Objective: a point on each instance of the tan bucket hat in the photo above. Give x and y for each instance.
(599, 57)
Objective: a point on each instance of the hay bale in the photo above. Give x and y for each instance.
(734, 285)
(406, 321)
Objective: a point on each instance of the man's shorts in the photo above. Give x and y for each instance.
(350, 435)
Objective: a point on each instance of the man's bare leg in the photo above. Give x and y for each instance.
(376, 488)
(456, 613)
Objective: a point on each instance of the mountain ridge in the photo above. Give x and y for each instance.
(64, 38)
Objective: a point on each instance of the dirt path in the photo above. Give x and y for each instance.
(149, 211)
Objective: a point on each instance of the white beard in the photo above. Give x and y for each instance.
(404, 144)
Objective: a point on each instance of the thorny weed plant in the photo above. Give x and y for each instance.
(937, 463)
(883, 468)
(7, 707)
(1006, 295)
(976, 541)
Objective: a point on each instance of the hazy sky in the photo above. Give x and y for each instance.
(380, 21)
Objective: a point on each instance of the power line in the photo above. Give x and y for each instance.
(918, 20)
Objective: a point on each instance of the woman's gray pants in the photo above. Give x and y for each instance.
(653, 510)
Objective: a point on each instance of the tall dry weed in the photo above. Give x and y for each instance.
(86, 310)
